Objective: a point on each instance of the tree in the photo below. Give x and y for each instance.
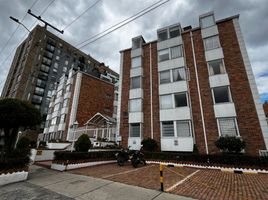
(15, 114)
(83, 143)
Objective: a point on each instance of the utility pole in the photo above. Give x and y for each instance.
(45, 22)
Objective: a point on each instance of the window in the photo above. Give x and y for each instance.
(207, 21)
(136, 43)
(179, 74)
(40, 83)
(66, 62)
(165, 77)
(135, 105)
(36, 99)
(64, 69)
(176, 52)
(44, 68)
(56, 65)
(174, 32)
(228, 127)
(54, 121)
(65, 103)
(162, 35)
(168, 129)
(183, 129)
(57, 58)
(62, 118)
(134, 130)
(59, 51)
(59, 93)
(57, 107)
(211, 43)
(39, 91)
(180, 99)
(135, 82)
(46, 61)
(216, 67)
(221, 94)
(166, 101)
(68, 88)
(136, 62)
(163, 55)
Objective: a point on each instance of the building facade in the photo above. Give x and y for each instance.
(77, 98)
(38, 64)
(190, 86)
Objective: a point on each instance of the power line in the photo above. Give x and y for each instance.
(11, 36)
(136, 16)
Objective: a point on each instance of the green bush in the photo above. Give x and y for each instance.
(149, 144)
(83, 143)
(14, 163)
(23, 146)
(230, 144)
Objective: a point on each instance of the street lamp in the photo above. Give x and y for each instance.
(74, 127)
(18, 137)
(17, 21)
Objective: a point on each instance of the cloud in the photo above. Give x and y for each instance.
(253, 20)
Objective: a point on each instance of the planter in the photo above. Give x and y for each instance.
(62, 167)
(13, 177)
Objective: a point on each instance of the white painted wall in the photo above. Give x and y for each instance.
(182, 113)
(46, 155)
(52, 145)
(184, 144)
(169, 43)
(218, 80)
(137, 71)
(214, 54)
(175, 87)
(209, 31)
(224, 110)
(171, 64)
(135, 117)
(136, 52)
(13, 177)
(135, 93)
(134, 143)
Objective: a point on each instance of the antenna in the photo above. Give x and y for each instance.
(45, 22)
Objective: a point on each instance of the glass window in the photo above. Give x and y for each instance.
(36, 99)
(221, 94)
(162, 35)
(135, 105)
(57, 107)
(163, 55)
(136, 62)
(62, 118)
(40, 83)
(134, 130)
(165, 77)
(57, 58)
(174, 32)
(66, 62)
(216, 67)
(211, 43)
(54, 121)
(176, 52)
(179, 74)
(228, 127)
(207, 21)
(183, 129)
(44, 68)
(64, 69)
(39, 91)
(56, 65)
(180, 100)
(166, 101)
(65, 103)
(168, 129)
(135, 82)
(136, 43)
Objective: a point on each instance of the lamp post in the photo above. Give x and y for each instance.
(17, 21)
(74, 127)
(18, 137)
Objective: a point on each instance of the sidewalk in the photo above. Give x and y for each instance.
(43, 183)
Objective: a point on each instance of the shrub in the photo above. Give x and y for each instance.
(42, 144)
(230, 144)
(83, 143)
(149, 144)
(14, 163)
(23, 146)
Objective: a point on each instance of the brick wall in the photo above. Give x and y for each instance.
(265, 108)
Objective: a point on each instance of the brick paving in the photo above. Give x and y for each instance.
(204, 184)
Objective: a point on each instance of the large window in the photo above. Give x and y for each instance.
(216, 67)
(168, 129)
(221, 94)
(183, 128)
(135, 105)
(176, 52)
(134, 130)
(136, 43)
(166, 101)
(180, 99)
(163, 55)
(211, 43)
(167, 33)
(165, 77)
(207, 21)
(174, 32)
(162, 35)
(39, 91)
(228, 127)
(136, 62)
(136, 82)
(44, 68)
(179, 74)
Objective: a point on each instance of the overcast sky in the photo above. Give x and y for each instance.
(105, 13)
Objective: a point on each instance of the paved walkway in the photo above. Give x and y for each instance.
(44, 184)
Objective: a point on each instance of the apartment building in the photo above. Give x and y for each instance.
(190, 86)
(76, 99)
(39, 62)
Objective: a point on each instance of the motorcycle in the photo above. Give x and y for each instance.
(136, 157)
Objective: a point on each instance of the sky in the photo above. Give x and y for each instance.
(105, 13)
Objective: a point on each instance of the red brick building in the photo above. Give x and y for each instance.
(190, 86)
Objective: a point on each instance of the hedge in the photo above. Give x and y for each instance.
(220, 159)
(14, 163)
(67, 155)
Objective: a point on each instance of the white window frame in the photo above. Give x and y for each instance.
(229, 93)
(236, 124)
(133, 67)
(129, 130)
(190, 127)
(161, 127)
(187, 99)
(204, 43)
(141, 105)
(172, 101)
(211, 15)
(170, 76)
(131, 87)
(223, 63)
(167, 29)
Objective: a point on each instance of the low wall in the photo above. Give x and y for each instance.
(42, 155)
(52, 145)
(62, 167)
(13, 177)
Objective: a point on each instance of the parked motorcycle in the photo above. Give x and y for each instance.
(136, 157)
(123, 156)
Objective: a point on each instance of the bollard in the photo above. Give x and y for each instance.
(161, 177)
